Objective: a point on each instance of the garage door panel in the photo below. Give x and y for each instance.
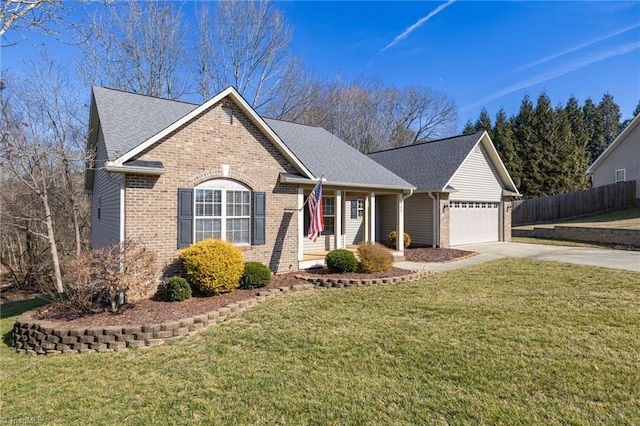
(474, 222)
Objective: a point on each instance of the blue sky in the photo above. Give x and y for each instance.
(479, 53)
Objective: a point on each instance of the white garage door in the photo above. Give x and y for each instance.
(474, 222)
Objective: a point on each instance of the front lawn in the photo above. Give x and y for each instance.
(509, 342)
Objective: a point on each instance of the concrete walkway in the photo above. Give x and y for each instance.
(605, 258)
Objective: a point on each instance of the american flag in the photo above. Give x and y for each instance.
(316, 225)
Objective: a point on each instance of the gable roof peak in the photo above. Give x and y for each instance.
(479, 133)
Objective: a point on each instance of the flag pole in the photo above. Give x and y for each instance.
(307, 200)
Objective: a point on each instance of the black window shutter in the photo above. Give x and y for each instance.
(259, 218)
(354, 209)
(185, 217)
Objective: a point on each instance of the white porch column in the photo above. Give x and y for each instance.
(338, 220)
(372, 216)
(400, 223)
(366, 219)
(301, 229)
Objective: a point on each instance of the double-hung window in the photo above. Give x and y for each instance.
(222, 211)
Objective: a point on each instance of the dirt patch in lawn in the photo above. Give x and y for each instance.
(436, 255)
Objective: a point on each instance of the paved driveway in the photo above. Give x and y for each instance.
(606, 258)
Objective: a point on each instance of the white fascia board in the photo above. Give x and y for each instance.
(244, 106)
(612, 145)
(292, 179)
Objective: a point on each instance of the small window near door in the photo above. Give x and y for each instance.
(360, 208)
(621, 175)
(329, 215)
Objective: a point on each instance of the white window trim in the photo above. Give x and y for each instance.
(624, 175)
(223, 185)
(359, 208)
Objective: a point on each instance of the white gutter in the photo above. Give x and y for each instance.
(284, 178)
(136, 170)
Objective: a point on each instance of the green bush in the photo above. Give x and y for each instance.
(213, 266)
(177, 289)
(341, 260)
(393, 237)
(255, 275)
(374, 258)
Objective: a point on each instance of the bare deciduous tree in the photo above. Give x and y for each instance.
(245, 45)
(41, 159)
(19, 14)
(138, 47)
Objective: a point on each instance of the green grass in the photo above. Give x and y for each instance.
(531, 240)
(620, 219)
(509, 342)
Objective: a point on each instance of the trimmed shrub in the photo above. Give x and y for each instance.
(176, 289)
(374, 258)
(393, 238)
(213, 266)
(255, 275)
(341, 260)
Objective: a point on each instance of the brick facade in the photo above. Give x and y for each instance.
(194, 154)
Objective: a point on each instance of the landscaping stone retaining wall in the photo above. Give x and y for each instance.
(628, 237)
(40, 337)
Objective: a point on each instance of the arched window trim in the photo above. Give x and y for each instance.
(222, 209)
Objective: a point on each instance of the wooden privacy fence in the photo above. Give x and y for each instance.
(574, 204)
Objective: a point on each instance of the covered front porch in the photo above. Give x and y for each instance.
(351, 217)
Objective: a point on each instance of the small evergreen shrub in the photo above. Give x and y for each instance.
(374, 258)
(177, 289)
(213, 266)
(341, 260)
(393, 238)
(255, 275)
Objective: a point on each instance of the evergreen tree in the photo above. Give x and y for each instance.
(579, 156)
(626, 122)
(523, 131)
(592, 121)
(544, 149)
(468, 127)
(483, 122)
(609, 113)
(505, 143)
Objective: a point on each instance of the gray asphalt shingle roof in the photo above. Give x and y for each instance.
(129, 119)
(325, 154)
(429, 165)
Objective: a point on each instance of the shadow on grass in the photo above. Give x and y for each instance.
(12, 309)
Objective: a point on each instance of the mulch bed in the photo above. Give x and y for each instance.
(156, 311)
(435, 255)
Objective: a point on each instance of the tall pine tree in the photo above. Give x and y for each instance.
(505, 142)
(609, 113)
(483, 122)
(523, 131)
(576, 178)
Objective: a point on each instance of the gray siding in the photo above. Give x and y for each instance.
(354, 229)
(625, 156)
(418, 219)
(105, 230)
(477, 178)
(386, 210)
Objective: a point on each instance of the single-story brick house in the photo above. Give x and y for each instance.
(463, 193)
(620, 162)
(170, 173)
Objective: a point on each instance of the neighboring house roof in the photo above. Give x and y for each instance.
(325, 154)
(431, 165)
(132, 122)
(612, 146)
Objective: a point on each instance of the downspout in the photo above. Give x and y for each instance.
(436, 217)
(120, 183)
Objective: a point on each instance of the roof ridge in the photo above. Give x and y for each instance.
(297, 124)
(145, 95)
(427, 142)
